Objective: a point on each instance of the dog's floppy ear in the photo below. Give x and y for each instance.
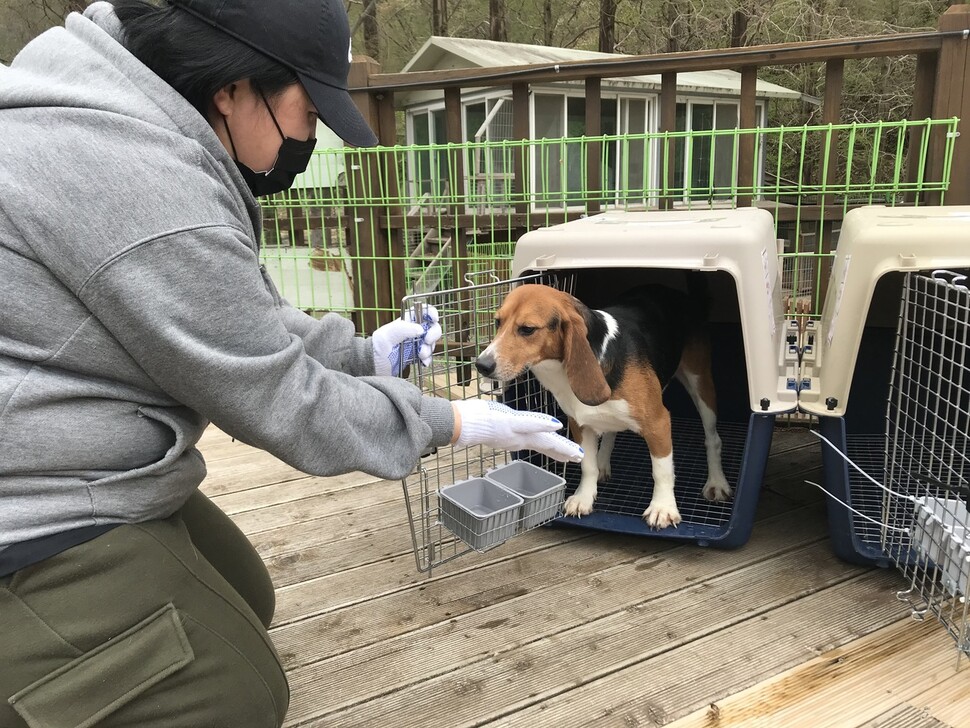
(582, 370)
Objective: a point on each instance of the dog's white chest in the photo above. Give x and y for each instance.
(611, 416)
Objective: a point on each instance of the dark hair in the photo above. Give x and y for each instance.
(193, 57)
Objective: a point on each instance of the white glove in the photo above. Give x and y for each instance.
(405, 341)
(484, 422)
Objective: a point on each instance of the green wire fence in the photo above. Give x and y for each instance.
(364, 227)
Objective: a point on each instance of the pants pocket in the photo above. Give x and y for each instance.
(88, 689)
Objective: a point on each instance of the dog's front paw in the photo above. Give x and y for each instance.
(717, 489)
(604, 474)
(661, 514)
(578, 505)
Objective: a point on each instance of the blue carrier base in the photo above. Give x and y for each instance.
(854, 539)
(723, 525)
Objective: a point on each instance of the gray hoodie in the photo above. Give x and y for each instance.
(133, 309)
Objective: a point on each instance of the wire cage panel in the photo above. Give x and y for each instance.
(441, 529)
(927, 462)
(906, 502)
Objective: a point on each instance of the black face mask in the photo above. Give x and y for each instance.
(292, 159)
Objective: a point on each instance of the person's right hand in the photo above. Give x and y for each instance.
(483, 422)
(404, 341)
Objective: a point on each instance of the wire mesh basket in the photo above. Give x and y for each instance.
(927, 459)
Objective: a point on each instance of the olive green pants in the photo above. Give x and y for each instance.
(155, 625)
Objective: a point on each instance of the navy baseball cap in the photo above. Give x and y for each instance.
(311, 37)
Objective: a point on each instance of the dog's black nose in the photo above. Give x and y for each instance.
(485, 365)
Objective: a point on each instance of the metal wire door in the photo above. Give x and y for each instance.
(467, 318)
(927, 463)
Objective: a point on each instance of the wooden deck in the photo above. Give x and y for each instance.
(563, 627)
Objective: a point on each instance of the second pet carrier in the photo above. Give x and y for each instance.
(854, 346)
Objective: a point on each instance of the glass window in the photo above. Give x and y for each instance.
(474, 118)
(575, 150)
(633, 160)
(549, 124)
(490, 168)
(549, 116)
(608, 122)
(421, 158)
(429, 167)
(725, 153)
(679, 149)
(702, 119)
(441, 173)
(710, 159)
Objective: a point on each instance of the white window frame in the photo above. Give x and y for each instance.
(565, 95)
(493, 103)
(651, 172)
(414, 187)
(652, 119)
(760, 120)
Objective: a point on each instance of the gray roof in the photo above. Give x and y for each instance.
(440, 52)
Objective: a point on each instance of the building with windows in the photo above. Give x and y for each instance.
(629, 107)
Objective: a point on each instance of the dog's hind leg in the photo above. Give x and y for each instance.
(604, 455)
(695, 374)
(580, 503)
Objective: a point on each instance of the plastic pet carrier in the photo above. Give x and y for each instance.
(856, 355)
(596, 259)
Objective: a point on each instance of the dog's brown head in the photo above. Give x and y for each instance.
(538, 323)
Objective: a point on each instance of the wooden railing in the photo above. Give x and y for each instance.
(940, 91)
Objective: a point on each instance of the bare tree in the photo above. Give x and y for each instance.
(21, 20)
(372, 33)
(739, 26)
(607, 37)
(439, 17)
(547, 23)
(496, 20)
(678, 18)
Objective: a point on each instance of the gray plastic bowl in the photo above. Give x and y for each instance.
(479, 512)
(541, 491)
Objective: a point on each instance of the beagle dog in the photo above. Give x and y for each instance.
(608, 370)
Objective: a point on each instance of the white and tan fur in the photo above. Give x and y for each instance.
(544, 330)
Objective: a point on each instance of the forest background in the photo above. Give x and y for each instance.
(391, 31)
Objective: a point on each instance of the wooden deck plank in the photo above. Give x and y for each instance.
(596, 644)
(427, 603)
(217, 445)
(347, 513)
(267, 495)
(846, 686)
(573, 546)
(246, 470)
(327, 592)
(368, 510)
(565, 627)
(944, 705)
(658, 690)
(311, 594)
(322, 498)
(364, 674)
(343, 511)
(324, 594)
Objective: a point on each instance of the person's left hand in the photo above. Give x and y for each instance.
(403, 342)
